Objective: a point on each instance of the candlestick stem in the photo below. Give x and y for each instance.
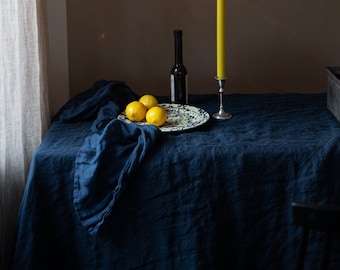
(221, 114)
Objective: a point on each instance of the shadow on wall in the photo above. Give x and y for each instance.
(271, 47)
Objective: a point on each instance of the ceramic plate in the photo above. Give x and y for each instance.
(179, 117)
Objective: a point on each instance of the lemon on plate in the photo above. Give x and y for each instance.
(135, 111)
(149, 101)
(156, 116)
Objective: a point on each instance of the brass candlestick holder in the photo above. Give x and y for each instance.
(221, 114)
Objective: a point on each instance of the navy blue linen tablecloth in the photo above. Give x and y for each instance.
(217, 197)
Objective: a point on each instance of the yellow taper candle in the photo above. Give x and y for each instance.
(220, 39)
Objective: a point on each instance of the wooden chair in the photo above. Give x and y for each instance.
(310, 216)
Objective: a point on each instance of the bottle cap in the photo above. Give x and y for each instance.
(178, 32)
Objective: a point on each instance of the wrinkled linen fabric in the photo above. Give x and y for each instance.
(86, 105)
(216, 197)
(103, 166)
(24, 106)
(110, 153)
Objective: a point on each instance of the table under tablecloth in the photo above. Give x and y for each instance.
(215, 197)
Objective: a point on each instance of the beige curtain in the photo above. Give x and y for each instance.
(24, 115)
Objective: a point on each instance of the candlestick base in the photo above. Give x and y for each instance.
(221, 114)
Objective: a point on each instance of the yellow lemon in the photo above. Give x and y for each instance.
(149, 101)
(156, 116)
(135, 111)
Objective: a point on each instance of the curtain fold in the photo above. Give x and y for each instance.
(24, 110)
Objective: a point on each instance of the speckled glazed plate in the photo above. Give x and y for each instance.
(179, 117)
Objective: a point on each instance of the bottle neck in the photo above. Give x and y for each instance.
(178, 47)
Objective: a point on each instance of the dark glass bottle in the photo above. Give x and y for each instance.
(178, 77)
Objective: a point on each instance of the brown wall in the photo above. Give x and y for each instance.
(272, 46)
